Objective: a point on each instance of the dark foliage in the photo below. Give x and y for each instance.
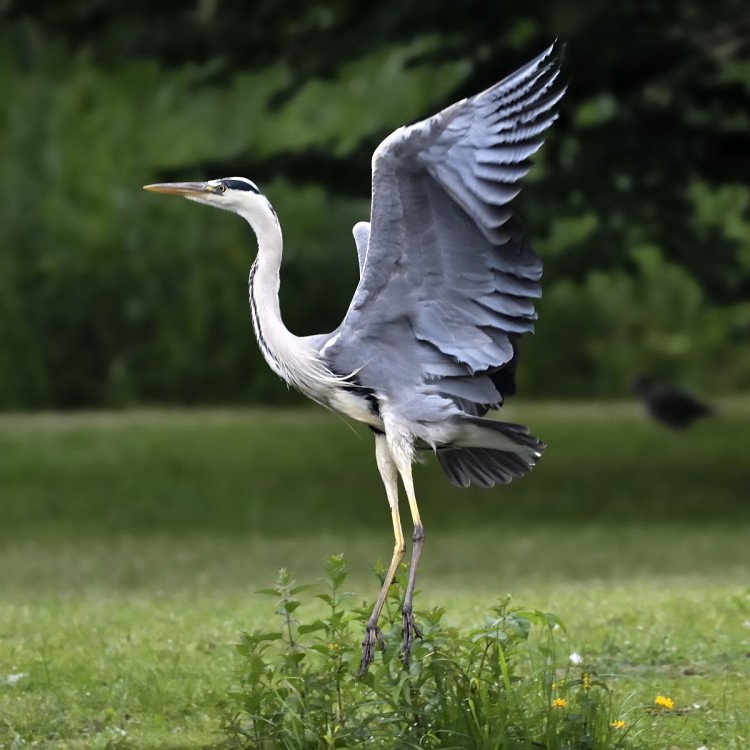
(638, 203)
(661, 70)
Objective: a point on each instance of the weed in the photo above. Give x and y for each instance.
(500, 685)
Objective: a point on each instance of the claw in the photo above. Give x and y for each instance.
(372, 636)
(410, 631)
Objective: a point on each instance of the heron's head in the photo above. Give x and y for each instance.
(237, 194)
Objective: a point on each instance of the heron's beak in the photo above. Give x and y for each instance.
(186, 189)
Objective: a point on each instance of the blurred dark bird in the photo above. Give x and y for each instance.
(447, 285)
(668, 404)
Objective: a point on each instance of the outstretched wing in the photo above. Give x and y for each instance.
(449, 278)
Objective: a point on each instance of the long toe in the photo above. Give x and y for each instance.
(372, 636)
(410, 631)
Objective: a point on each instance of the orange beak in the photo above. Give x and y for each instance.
(186, 189)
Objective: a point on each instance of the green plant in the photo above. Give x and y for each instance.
(500, 685)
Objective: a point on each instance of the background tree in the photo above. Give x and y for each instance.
(639, 203)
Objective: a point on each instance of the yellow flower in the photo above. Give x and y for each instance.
(664, 702)
(586, 680)
(554, 686)
(559, 703)
(619, 724)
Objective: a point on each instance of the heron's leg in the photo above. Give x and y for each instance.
(389, 475)
(409, 627)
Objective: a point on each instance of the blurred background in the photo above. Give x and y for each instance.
(639, 203)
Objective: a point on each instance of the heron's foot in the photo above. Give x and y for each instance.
(372, 636)
(410, 631)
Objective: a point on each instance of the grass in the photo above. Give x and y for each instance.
(130, 546)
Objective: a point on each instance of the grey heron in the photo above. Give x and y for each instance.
(448, 279)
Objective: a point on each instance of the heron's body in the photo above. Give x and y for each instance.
(447, 286)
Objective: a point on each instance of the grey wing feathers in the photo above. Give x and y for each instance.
(484, 147)
(448, 279)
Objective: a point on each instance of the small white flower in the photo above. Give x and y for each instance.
(703, 747)
(575, 659)
(12, 679)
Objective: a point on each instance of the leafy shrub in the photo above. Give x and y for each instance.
(496, 686)
(595, 336)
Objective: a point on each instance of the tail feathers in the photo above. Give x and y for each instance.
(495, 453)
(483, 467)
(505, 436)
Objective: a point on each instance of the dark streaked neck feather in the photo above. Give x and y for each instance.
(266, 351)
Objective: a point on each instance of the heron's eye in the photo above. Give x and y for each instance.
(221, 188)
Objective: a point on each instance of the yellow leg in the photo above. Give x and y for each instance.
(389, 475)
(409, 627)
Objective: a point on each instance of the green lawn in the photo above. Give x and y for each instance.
(130, 546)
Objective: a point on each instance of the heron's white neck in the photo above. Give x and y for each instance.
(289, 356)
(276, 342)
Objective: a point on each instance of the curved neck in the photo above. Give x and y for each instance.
(276, 342)
(293, 359)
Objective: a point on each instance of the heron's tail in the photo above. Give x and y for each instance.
(491, 453)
